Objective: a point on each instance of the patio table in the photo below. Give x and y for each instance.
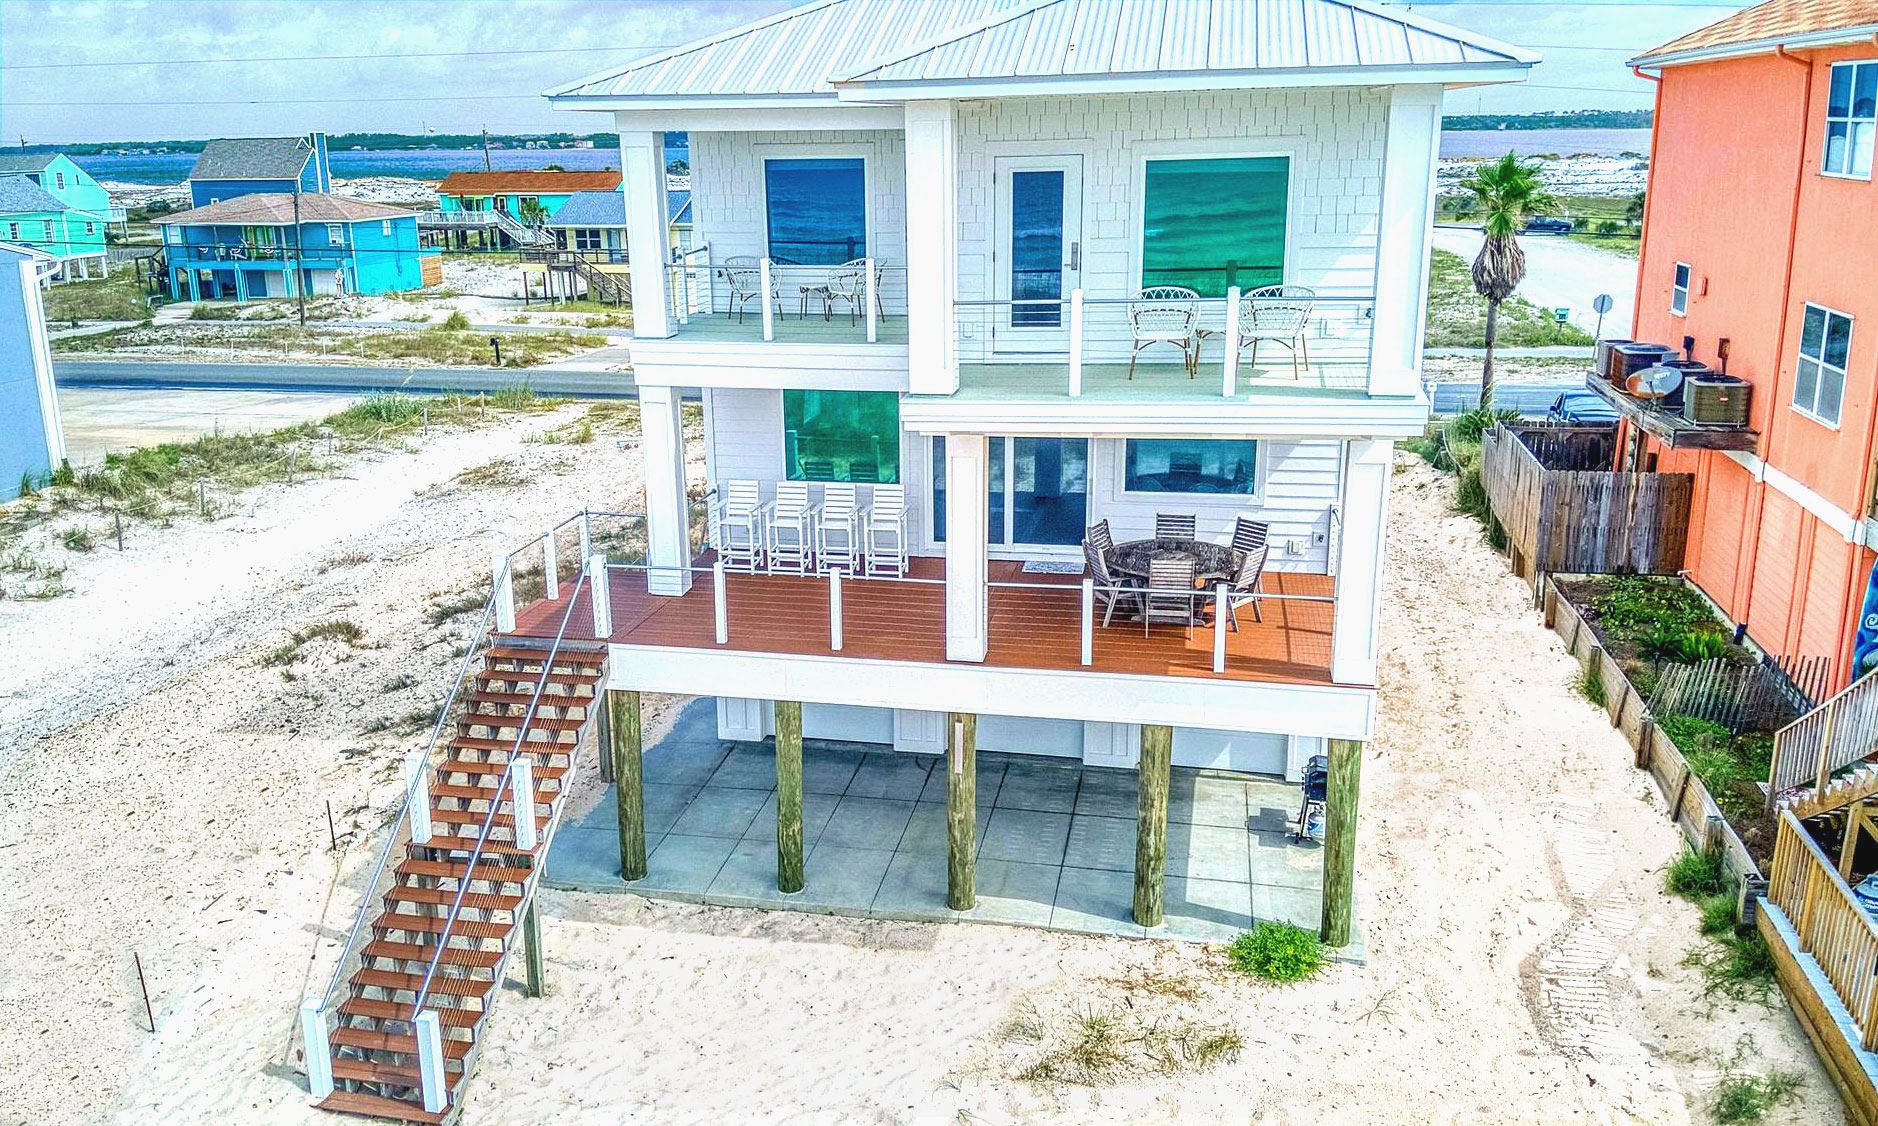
(1212, 562)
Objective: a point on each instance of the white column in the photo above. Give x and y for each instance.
(1366, 472)
(319, 1051)
(931, 246)
(642, 177)
(39, 355)
(966, 564)
(1408, 191)
(662, 441)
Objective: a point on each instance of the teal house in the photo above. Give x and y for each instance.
(49, 203)
(32, 438)
(270, 244)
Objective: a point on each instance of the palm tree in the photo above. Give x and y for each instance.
(1506, 193)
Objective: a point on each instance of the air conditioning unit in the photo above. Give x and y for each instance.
(1714, 399)
(1625, 360)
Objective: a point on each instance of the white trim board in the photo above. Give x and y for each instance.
(1840, 521)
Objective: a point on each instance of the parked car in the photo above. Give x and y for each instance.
(1583, 408)
(1548, 225)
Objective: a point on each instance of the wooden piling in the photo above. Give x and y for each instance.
(961, 809)
(1157, 753)
(1340, 802)
(629, 780)
(531, 947)
(788, 795)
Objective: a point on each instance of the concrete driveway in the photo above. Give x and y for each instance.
(1560, 272)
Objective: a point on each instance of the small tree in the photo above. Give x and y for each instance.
(1633, 210)
(1506, 193)
(532, 213)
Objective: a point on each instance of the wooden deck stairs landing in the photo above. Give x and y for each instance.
(374, 1050)
(1857, 784)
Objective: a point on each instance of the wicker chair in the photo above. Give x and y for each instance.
(848, 285)
(744, 274)
(1165, 314)
(1279, 313)
(1163, 600)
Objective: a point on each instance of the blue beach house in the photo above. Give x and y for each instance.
(238, 166)
(32, 437)
(273, 245)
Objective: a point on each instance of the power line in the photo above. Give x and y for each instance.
(282, 101)
(345, 58)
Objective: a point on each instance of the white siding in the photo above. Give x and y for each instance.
(1334, 136)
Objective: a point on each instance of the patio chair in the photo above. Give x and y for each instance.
(1165, 314)
(838, 531)
(1163, 601)
(1170, 526)
(847, 284)
(744, 274)
(1279, 313)
(1249, 535)
(791, 527)
(1245, 586)
(883, 526)
(1111, 589)
(737, 515)
(1100, 537)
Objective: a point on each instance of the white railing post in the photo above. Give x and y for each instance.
(602, 604)
(720, 604)
(430, 1060)
(420, 796)
(504, 592)
(868, 287)
(586, 534)
(834, 610)
(1075, 343)
(319, 1052)
(769, 306)
(550, 566)
(1230, 385)
(1219, 627)
(1088, 621)
(681, 296)
(522, 799)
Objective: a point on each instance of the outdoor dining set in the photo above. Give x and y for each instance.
(796, 534)
(1169, 316)
(1173, 578)
(846, 286)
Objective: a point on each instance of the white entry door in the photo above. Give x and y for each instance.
(1037, 253)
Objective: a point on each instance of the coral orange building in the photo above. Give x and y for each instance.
(1760, 254)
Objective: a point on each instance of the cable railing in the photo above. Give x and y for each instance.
(860, 301)
(1105, 343)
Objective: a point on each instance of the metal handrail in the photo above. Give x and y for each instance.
(495, 802)
(411, 788)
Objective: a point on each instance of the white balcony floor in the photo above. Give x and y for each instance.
(791, 328)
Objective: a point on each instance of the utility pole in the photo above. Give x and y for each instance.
(487, 167)
(299, 259)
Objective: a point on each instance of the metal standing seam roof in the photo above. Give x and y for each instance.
(252, 158)
(20, 196)
(1765, 26)
(816, 48)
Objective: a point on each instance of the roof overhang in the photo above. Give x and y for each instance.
(1451, 74)
(1811, 40)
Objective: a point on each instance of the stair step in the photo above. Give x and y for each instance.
(435, 924)
(373, 1071)
(421, 955)
(478, 817)
(559, 700)
(440, 985)
(371, 1039)
(401, 1010)
(593, 655)
(488, 793)
(543, 771)
(530, 680)
(377, 1106)
(444, 897)
(493, 847)
(514, 722)
(537, 746)
(487, 868)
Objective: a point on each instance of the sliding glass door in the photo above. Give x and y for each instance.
(1037, 492)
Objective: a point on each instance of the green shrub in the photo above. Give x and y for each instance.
(1718, 915)
(1683, 646)
(1591, 686)
(78, 539)
(1695, 875)
(455, 322)
(1280, 952)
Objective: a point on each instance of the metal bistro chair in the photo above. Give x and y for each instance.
(1163, 600)
(1171, 526)
(1280, 314)
(744, 274)
(838, 531)
(738, 515)
(848, 285)
(792, 519)
(1165, 314)
(884, 525)
(1111, 590)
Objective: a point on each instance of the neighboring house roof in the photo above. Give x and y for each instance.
(822, 47)
(608, 209)
(16, 251)
(19, 196)
(252, 158)
(1765, 27)
(277, 208)
(532, 183)
(26, 161)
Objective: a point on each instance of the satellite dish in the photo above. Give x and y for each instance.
(1654, 382)
(1601, 304)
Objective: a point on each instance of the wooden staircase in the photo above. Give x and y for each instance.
(374, 1047)
(1841, 790)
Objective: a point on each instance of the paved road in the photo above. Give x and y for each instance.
(1560, 272)
(102, 420)
(341, 379)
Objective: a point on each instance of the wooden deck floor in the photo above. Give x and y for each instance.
(905, 621)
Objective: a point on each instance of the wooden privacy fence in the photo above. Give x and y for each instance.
(1579, 520)
(1827, 739)
(1831, 924)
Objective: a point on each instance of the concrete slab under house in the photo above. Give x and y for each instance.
(1052, 355)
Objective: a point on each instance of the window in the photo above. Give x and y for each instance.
(1037, 491)
(1679, 290)
(335, 234)
(817, 210)
(1214, 222)
(13, 232)
(1851, 119)
(91, 228)
(59, 178)
(586, 239)
(47, 224)
(1182, 465)
(841, 436)
(1819, 381)
(384, 228)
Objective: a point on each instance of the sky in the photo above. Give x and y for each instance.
(188, 69)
